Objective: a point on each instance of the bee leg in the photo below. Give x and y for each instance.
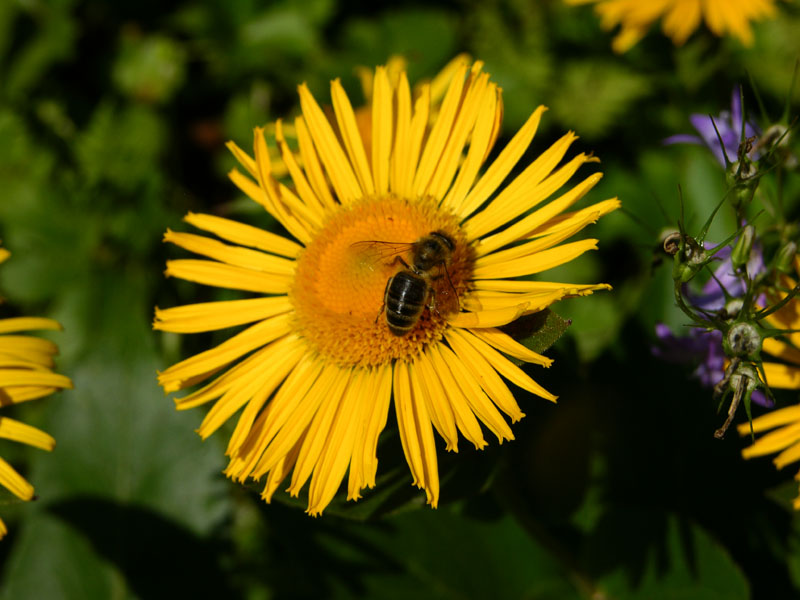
(432, 301)
(383, 306)
(450, 281)
(401, 260)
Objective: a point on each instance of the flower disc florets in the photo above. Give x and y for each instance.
(341, 278)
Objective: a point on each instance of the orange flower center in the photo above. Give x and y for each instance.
(342, 275)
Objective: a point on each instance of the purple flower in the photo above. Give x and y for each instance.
(729, 126)
(725, 278)
(703, 347)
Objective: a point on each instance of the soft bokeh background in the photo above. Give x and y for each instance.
(113, 118)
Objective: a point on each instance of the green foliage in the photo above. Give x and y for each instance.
(538, 331)
(149, 69)
(592, 96)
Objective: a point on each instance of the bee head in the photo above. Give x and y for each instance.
(432, 250)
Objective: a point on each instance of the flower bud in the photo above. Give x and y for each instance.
(742, 340)
(744, 245)
(746, 376)
(741, 176)
(784, 260)
(688, 261)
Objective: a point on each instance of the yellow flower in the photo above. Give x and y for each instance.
(25, 374)
(785, 375)
(317, 372)
(680, 18)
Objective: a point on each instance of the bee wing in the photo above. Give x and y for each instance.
(446, 298)
(375, 252)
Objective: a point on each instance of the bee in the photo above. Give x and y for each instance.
(411, 290)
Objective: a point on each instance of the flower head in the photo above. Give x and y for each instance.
(317, 368)
(680, 18)
(26, 364)
(727, 126)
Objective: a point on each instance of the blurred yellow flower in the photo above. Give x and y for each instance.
(26, 364)
(679, 18)
(317, 368)
(784, 375)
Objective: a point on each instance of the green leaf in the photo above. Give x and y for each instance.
(538, 331)
(443, 554)
(129, 478)
(655, 556)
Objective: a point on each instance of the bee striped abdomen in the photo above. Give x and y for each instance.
(405, 297)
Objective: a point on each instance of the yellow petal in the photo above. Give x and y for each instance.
(478, 149)
(439, 133)
(266, 373)
(416, 433)
(339, 444)
(11, 429)
(782, 416)
(486, 375)
(330, 152)
(244, 235)
(489, 318)
(251, 338)
(231, 255)
(478, 401)
(381, 130)
(537, 262)
(14, 482)
(781, 350)
(465, 419)
(211, 316)
(280, 409)
(318, 432)
(220, 275)
(509, 370)
(438, 405)
(313, 168)
(508, 345)
(401, 169)
(348, 128)
(477, 94)
(503, 164)
(376, 423)
(272, 372)
(13, 377)
(774, 441)
(526, 225)
(782, 376)
(27, 324)
(304, 190)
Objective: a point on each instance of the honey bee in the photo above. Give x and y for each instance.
(410, 290)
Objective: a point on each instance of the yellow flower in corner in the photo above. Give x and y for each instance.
(679, 18)
(783, 424)
(25, 374)
(400, 264)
